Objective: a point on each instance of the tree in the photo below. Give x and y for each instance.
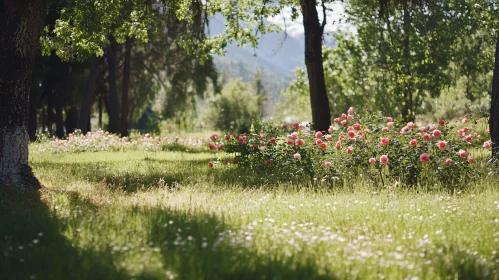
(235, 108)
(314, 31)
(21, 22)
(246, 19)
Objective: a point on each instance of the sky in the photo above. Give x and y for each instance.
(294, 28)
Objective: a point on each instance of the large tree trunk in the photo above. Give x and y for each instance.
(86, 103)
(407, 111)
(20, 24)
(71, 121)
(59, 120)
(113, 112)
(125, 88)
(321, 114)
(494, 106)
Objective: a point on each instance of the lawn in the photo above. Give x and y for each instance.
(167, 215)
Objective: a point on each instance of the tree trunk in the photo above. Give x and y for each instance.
(113, 112)
(86, 103)
(494, 106)
(21, 22)
(59, 120)
(71, 121)
(125, 88)
(321, 114)
(407, 111)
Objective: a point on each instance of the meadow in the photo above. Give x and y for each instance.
(156, 214)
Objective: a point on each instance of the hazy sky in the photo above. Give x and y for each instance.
(294, 28)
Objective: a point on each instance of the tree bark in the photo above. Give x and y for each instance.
(59, 120)
(86, 103)
(125, 88)
(321, 114)
(21, 22)
(71, 119)
(113, 112)
(407, 111)
(494, 106)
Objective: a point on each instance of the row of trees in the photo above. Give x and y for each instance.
(411, 38)
(118, 54)
(403, 53)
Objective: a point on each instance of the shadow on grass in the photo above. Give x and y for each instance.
(143, 174)
(116, 176)
(32, 245)
(189, 245)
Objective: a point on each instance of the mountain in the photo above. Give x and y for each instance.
(275, 58)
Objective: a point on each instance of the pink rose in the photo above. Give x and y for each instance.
(356, 126)
(343, 122)
(337, 120)
(441, 122)
(389, 124)
(389, 119)
(349, 117)
(437, 133)
(297, 156)
(350, 111)
(318, 142)
(486, 145)
(442, 145)
(448, 161)
(327, 164)
(464, 120)
(471, 159)
(424, 157)
(383, 159)
(318, 134)
(410, 125)
(385, 129)
(351, 134)
(210, 164)
(328, 137)
(413, 142)
(338, 145)
(372, 160)
(343, 116)
(331, 129)
(323, 145)
(272, 140)
(426, 137)
(384, 141)
(462, 153)
(349, 149)
(300, 142)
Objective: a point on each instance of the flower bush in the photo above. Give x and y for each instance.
(105, 141)
(372, 145)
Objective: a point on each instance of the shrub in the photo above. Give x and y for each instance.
(378, 147)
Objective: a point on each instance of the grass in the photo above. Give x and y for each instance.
(166, 215)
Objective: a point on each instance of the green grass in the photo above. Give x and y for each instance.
(166, 215)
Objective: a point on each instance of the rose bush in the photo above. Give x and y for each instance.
(104, 141)
(372, 145)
